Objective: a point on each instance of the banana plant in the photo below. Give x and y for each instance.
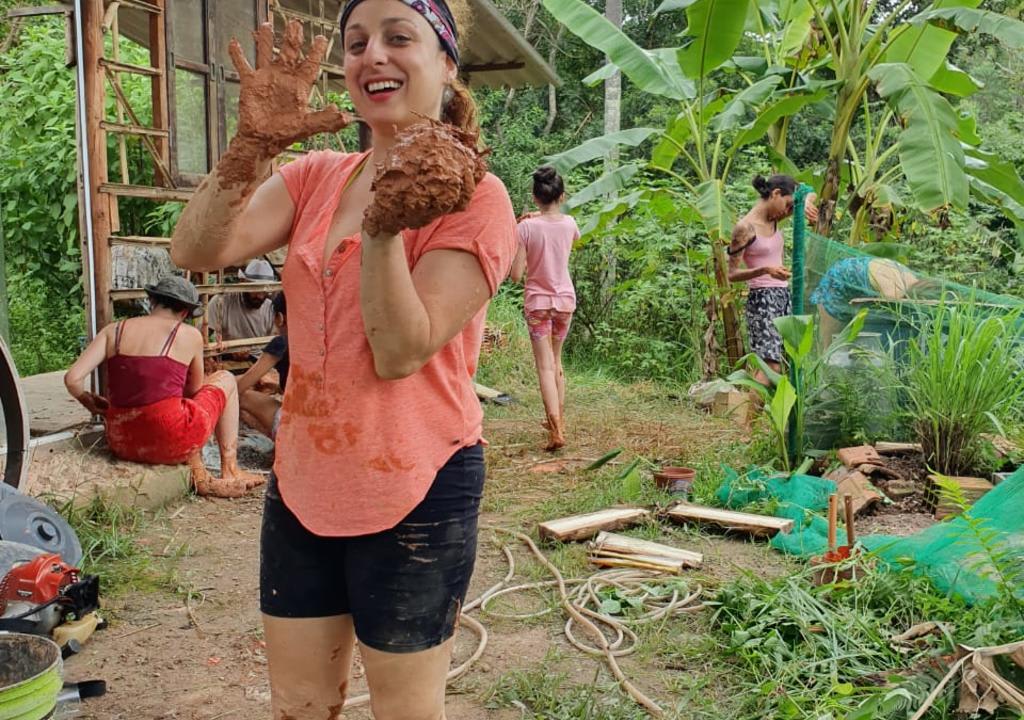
(787, 401)
(725, 103)
(905, 58)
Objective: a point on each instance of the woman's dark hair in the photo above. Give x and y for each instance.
(765, 186)
(175, 306)
(547, 184)
(277, 302)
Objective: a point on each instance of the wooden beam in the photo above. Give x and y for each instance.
(115, 66)
(95, 138)
(125, 129)
(758, 525)
(24, 12)
(583, 527)
(143, 240)
(622, 547)
(237, 345)
(149, 7)
(151, 193)
(897, 448)
(234, 288)
(492, 67)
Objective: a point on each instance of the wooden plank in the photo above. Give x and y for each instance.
(152, 193)
(230, 346)
(758, 525)
(642, 562)
(144, 240)
(584, 527)
(137, 293)
(126, 129)
(116, 66)
(896, 448)
(144, 6)
(613, 543)
(158, 92)
(24, 12)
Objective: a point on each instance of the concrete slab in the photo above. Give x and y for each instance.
(50, 408)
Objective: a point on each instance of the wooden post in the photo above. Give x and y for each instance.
(95, 138)
(158, 59)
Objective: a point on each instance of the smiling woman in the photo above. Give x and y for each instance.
(370, 520)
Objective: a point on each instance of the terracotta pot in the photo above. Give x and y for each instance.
(674, 478)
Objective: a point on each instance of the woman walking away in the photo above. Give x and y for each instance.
(160, 410)
(370, 520)
(545, 241)
(757, 243)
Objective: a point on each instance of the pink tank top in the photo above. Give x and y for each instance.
(765, 252)
(137, 380)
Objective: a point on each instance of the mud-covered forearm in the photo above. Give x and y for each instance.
(203, 235)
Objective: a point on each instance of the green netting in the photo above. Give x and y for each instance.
(840, 281)
(797, 497)
(953, 554)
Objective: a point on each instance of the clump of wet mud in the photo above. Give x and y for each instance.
(432, 170)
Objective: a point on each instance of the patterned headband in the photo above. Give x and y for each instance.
(435, 12)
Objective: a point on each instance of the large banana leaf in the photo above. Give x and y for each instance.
(648, 71)
(952, 80)
(930, 152)
(611, 210)
(796, 18)
(743, 103)
(666, 56)
(996, 181)
(924, 47)
(666, 151)
(715, 210)
(789, 105)
(1007, 30)
(714, 30)
(599, 147)
(608, 184)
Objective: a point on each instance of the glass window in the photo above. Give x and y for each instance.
(231, 92)
(187, 19)
(190, 116)
(235, 19)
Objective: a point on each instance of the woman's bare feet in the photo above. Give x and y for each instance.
(206, 485)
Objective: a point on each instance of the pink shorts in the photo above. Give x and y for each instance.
(542, 323)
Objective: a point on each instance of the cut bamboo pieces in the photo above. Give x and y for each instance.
(584, 527)
(757, 525)
(612, 550)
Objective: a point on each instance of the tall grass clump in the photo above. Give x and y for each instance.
(964, 378)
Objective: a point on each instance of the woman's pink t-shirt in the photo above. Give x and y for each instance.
(548, 240)
(356, 453)
(765, 251)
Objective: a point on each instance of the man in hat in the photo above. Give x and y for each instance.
(235, 316)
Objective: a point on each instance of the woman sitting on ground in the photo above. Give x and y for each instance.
(159, 410)
(549, 300)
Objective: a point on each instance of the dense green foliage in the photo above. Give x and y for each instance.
(643, 281)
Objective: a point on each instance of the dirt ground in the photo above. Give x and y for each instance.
(195, 653)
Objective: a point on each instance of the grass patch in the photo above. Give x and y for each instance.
(111, 549)
(544, 692)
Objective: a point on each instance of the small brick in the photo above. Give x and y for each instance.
(853, 457)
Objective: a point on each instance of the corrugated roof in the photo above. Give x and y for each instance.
(495, 54)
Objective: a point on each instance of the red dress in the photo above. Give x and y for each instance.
(150, 420)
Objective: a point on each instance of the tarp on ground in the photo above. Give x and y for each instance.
(956, 555)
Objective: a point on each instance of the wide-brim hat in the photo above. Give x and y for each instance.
(178, 289)
(257, 271)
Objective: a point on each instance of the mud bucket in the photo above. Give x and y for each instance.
(30, 676)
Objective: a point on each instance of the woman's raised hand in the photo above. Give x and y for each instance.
(273, 107)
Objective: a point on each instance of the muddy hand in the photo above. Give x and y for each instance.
(273, 105)
(431, 170)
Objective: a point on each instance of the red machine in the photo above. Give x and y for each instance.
(38, 595)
